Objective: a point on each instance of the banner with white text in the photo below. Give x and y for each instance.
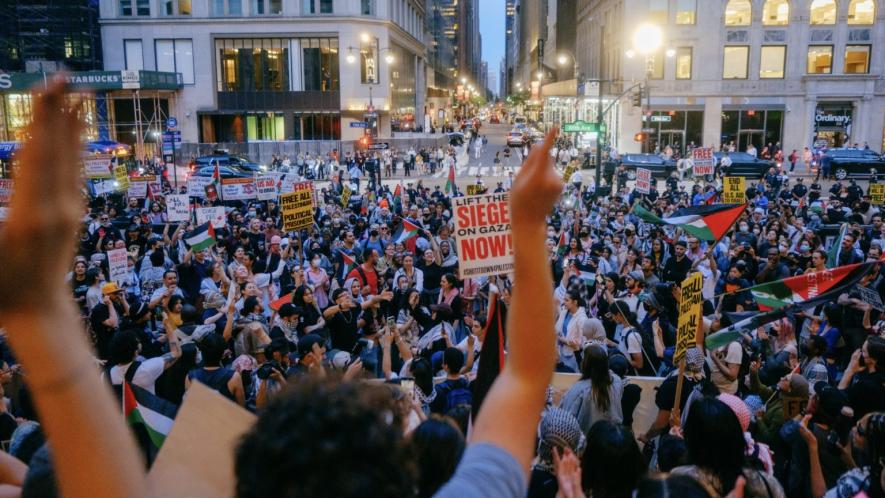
(482, 230)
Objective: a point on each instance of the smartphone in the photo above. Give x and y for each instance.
(391, 324)
(357, 349)
(407, 384)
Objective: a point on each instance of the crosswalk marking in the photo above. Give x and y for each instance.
(473, 171)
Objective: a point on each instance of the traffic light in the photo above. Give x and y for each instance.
(640, 137)
(637, 98)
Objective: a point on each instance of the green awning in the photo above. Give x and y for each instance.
(94, 80)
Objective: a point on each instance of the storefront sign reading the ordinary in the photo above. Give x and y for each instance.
(832, 119)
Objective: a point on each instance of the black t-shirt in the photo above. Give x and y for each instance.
(432, 275)
(867, 393)
(103, 333)
(666, 394)
(675, 270)
(542, 484)
(344, 329)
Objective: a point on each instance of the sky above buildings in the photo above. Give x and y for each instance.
(491, 26)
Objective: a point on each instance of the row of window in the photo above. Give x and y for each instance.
(774, 12)
(234, 7)
(170, 55)
(262, 64)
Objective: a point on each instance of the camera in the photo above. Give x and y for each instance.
(265, 370)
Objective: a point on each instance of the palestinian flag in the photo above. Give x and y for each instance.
(152, 412)
(347, 264)
(562, 245)
(450, 182)
(809, 289)
(491, 361)
(150, 193)
(706, 222)
(202, 237)
(406, 232)
(738, 329)
(216, 178)
(835, 250)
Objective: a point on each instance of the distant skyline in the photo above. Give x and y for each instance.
(491, 25)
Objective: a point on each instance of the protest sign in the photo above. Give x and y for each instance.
(877, 194)
(215, 215)
(482, 229)
(297, 207)
(792, 405)
(138, 185)
(345, 196)
(569, 170)
(702, 161)
(137, 189)
(266, 187)
(98, 166)
(6, 188)
(104, 186)
(196, 186)
(734, 190)
(117, 266)
(287, 182)
(643, 180)
(122, 176)
(689, 315)
(177, 207)
(476, 189)
(237, 189)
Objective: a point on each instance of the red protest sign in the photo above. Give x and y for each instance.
(482, 231)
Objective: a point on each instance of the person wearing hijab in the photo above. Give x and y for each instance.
(558, 431)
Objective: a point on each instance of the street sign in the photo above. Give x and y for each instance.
(649, 130)
(583, 127)
(172, 136)
(171, 122)
(379, 146)
(661, 119)
(359, 124)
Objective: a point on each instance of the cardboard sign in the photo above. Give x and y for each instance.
(476, 189)
(877, 194)
(734, 190)
(482, 231)
(297, 207)
(266, 187)
(122, 176)
(702, 161)
(567, 174)
(6, 188)
(793, 406)
(178, 207)
(237, 189)
(643, 180)
(215, 215)
(138, 185)
(345, 196)
(196, 186)
(689, 315)
(104, 187)
(98, 166)
(287, 182)
(117, 267)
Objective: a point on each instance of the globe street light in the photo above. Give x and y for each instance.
(648, 38)
(563, 59)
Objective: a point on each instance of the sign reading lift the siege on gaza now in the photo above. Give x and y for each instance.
(482, 230)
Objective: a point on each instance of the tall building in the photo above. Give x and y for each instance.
(49, 35)
(273, 70)
(764, 71)
(491, 82)
(511, 47)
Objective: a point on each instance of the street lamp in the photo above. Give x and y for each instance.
(647, 40)
(540, 75)
(563, 59)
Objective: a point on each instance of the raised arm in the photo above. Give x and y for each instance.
(511, 411)
(75, 408)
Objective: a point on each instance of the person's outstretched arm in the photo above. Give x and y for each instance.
(94, 453)
(512, 409)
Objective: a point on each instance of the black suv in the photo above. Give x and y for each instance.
(846, 163)
(742, 164)
(659, 167)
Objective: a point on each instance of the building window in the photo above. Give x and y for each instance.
(317, 127)
(861, 12)
(227, 7)
(683, 63)
(857, 59)
(267, 7)
(657, 66)
(685, 11)
(738, 13)
(320, 64)
(734, 62)
(175, 7)
(776, 13)
(771, 61)
(176, 56)
(369, 62)
(135, 7)
(134, 57)
(265, 127)
(752, 126)
(253, 65)
(318, 6)
(823, 12)
(820, 59)
(658, 12)
(367, 7)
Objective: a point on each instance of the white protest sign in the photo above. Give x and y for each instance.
(177, 207)
(643, 180)
(196, 186)
(215, 215)
(105, 187)
(117, 265)
(482, 230)
(137, 189)
(237, 189)
(266, 186)
(98, 166)
(288, 183)
(6, 188)
(702, 161)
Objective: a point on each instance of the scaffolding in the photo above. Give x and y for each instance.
(144, 128)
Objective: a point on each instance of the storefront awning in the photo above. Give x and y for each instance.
(7, 149)
(107, 147)
(94, 80)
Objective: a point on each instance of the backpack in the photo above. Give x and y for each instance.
(647, 342)
(458, 395)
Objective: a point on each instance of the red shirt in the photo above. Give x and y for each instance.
(370, 281)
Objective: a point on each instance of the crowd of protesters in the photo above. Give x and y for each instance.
(362, 351)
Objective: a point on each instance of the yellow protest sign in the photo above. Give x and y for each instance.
(475, 189)
(297, 207)
(877, 193)
(572, 166)
(689, 315)
(122, 176)
(345, 196)
(734, 190)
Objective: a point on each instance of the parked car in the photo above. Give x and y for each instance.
(846, 163)
(224, 159)
(742, 164)
(516, 138)
(224, 171)
(660, 167)
(456, 138)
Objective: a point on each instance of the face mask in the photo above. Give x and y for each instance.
(804, 247)
(315, 262)
(745, 228)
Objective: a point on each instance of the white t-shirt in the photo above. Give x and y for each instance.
(144, 377)
(733, 355)
(631, 342)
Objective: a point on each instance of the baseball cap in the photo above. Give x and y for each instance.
(305, 344)
(110, 288)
